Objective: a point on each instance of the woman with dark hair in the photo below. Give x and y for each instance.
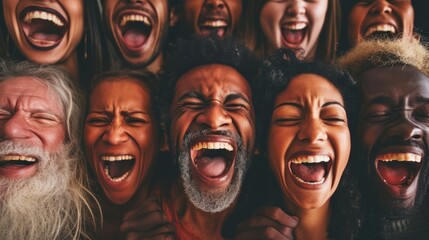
(306, 110)
(66, 33)
(310, 28)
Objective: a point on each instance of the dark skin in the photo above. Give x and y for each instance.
(394, 124)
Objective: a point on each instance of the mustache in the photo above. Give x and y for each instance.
(18, 148)
(400, 142)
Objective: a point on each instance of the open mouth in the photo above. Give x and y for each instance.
(209, 26)
(44, 28)
(312, 170)
(380, 31)
(117, 168)
(398, 169)
(294, 33)
(213, 159)
(16, 161)
(135, 30)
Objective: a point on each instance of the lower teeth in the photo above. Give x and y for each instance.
(311, 183)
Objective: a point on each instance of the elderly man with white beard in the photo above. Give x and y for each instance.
(43, 180)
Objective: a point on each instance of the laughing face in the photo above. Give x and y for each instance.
(394, 124)
(202, 17)
(308, 141)
(121, 137)
(380, 18)
(212, 134)
(293, 24)
(30, 117)
(45, 31)
(139, 28)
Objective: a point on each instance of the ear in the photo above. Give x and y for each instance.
(174, 17)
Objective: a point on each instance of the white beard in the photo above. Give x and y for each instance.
(45, 206)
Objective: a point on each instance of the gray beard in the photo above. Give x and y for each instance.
(44, 206)
(208, 201)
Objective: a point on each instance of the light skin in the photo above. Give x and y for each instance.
(293, 24)
(138, 28)
(198, 15)
(29, 114)
(121, 122)
(310, 122)
(394, 120)
(393, 17)
(35, 42)
(214, 98)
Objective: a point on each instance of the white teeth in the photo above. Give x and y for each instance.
(44, 16)
(380, 28)
(212, 145)
(134, 18)
(311, 159)
(311, 183)
(295, 26)
(214, 23)
(118, 179)
(117, 158)
(400, 157)
(17, 158)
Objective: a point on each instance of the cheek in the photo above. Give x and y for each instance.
(53, 137)
(279, 141)
(90, 138)
(317, 15)
(355, 20)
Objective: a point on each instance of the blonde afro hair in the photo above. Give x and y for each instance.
(385, 53)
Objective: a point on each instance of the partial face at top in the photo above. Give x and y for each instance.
(374, 18)
(121, 137)
(293, 24)
(139, 28)
(212, 133)
(45, 31)
(308, 141)
(202, 17)
(394, 124)
(32, 117)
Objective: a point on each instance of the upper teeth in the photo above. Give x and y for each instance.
(17, 158)
(134, 18)
(117, 158)
(401, 157)
(212, 145)
(380, 28)
(44, 16)
(214, 23)
(311, 159)
(295, 26)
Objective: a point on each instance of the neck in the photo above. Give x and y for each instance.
(313, 223)
(155, 65)
(194, 222)
(72, 66)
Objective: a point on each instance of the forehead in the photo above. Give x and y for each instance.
(394, 81)
(213, 79)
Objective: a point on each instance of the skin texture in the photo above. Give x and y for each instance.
(366, 14)
(64, 50)
(393, 119)
(30, 114)
(121, 122)
(308, 119)
(277, 16)
(157, 13)
(194, 11)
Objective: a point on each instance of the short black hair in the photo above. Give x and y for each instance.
(199, 51)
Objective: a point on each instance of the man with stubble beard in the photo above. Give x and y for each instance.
(43, 181)
(392, 159)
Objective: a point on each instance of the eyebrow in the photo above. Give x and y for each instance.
(293, 104)
(191, 95)
(332, 103)
(234, 96)
(380, 100)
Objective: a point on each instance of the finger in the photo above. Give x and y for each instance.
(255, 222)
(144, 222)
(278, 215)
(151, 204)
(262, 233)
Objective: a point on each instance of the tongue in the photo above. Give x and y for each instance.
(206, 31)
(308, 172)
(119, 168)
(211, 167)
(134, 38)
(293, 36)
(394, 173)
(51, 37)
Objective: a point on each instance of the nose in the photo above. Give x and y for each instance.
(115, 134)
(295, 8)
(381, 7)
(214, 117)
(214, 4)
(405, 129)
(135, 1)
(312, 131)
(15, 127)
